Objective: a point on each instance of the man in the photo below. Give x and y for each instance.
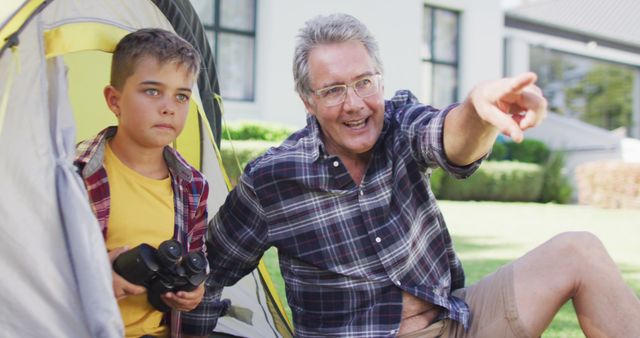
(363, 248)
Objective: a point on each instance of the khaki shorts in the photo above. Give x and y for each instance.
(493, 311)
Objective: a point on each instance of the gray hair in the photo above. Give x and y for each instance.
(328, 29)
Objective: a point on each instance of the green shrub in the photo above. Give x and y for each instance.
(499, 152)
(555, 187)
(436, 180)
(496, 181)
(249, 140)
(528, 151)
(255, 130)
(499, 181)
(245, 151)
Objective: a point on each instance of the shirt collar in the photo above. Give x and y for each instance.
(317, 149)
(94, 158)
(177, 165)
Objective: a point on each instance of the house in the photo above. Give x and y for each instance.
(586, 52)
(257, 81)
(587, 56)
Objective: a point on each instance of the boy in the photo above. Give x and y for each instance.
(141, 190)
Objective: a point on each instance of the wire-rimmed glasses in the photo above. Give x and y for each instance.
(336, 94)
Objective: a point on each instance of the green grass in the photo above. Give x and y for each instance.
(487, 235)
(271, 260)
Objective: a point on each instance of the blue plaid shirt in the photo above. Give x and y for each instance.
(347, 251)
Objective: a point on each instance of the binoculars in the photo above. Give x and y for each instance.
(163, 270)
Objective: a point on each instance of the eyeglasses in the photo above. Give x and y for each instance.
(335, 95)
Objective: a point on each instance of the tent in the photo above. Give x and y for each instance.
(54, 62)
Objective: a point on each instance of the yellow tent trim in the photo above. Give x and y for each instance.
(81, 36)
(267, 280)
(190, 137)
(4, 101)
(218, 99)
(18, 20)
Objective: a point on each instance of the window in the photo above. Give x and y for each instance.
(439, 53)
(231, 29)
(594, 91)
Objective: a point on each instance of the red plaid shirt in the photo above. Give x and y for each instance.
(190, 190)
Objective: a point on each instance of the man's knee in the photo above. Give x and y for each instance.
(577, 246)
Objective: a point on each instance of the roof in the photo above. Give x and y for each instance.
(606, 20)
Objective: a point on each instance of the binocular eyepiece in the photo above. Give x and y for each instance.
(163, 270)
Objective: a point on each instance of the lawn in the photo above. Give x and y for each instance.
(488, 234)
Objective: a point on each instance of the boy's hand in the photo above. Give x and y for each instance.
(184, 300)
(121, 287)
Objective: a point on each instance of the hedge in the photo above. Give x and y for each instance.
(436, 178)
(494, 181)
(527, 151)
(498, 179)
(555, 186)
(254, 130)
(609, 184)
(245, 151)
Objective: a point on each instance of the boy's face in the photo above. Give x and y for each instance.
(153, 104)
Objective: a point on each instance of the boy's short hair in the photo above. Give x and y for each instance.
(160, 44)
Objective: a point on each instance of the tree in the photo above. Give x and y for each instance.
(603, 96)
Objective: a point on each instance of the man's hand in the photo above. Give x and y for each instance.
(512, 105)
(183, 300)
(509, 105)
(121, 287)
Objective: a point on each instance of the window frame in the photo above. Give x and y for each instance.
(432, 61)
(216, 29)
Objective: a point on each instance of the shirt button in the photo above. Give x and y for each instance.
(378, 240)
(398, 283)
(336, 164)
(361, 193)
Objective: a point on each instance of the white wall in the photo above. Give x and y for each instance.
(397, 25)
(481, 43)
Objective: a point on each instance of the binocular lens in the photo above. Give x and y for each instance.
(195, 263)
(169, 252)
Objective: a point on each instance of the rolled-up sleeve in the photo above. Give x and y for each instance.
(424, 127)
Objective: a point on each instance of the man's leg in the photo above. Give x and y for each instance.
(575, 265)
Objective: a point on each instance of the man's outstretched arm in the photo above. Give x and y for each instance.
(509, 105)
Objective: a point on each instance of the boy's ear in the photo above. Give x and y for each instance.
(112, 98)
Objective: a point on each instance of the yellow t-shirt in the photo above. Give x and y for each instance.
(141, 211)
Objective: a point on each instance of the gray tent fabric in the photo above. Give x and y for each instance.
(92, 273)
(42, 275)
